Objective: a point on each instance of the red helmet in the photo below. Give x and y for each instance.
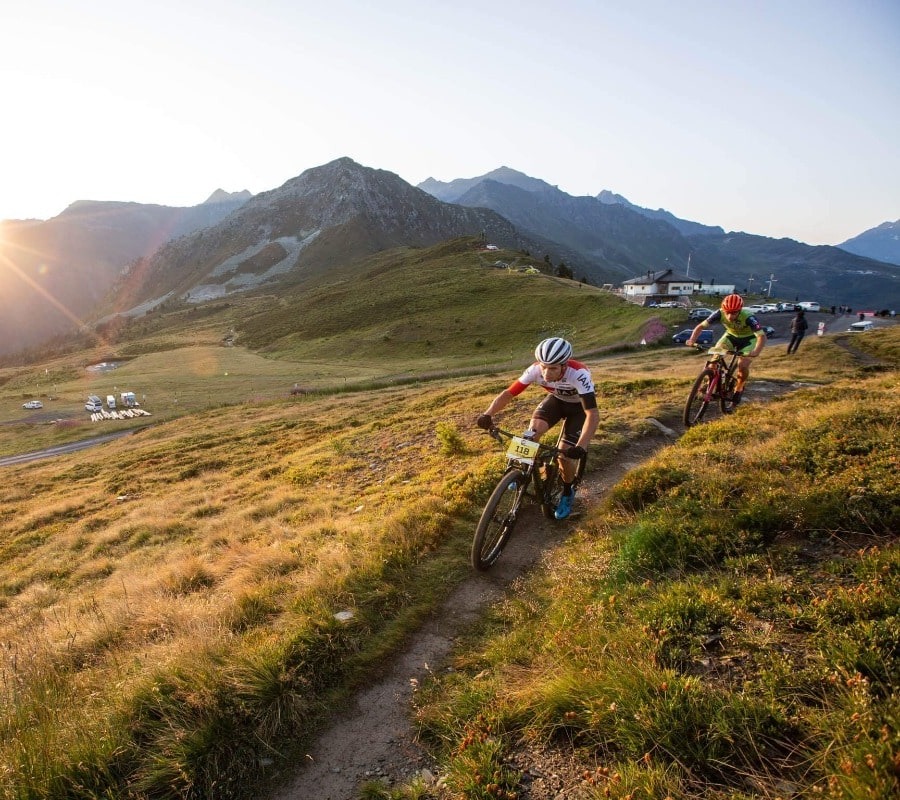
(732, 303)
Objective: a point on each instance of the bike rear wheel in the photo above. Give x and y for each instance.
(498, 519)
(698, 399)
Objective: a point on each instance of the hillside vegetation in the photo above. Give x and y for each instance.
(726, 626)
(403, 315)
(171, 601)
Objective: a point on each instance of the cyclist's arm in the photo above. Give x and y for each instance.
(591, 419)
(761, 340)
(695, 333)
(500, 402)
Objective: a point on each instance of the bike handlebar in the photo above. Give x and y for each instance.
(499, 433)
(701, 349)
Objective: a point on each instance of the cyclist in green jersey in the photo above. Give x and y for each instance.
(743, 334)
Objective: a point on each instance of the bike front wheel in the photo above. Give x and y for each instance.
(497, 520)
(698, 399)
(726, 396)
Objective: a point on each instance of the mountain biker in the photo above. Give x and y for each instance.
(743, 334)
(570, 397)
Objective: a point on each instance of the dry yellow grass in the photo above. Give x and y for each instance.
(206, 538)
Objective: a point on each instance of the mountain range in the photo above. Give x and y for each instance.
(881, 243)
(57, 271)
(99, 259)
(607, 238)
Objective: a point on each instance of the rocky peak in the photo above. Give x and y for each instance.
(221, 196)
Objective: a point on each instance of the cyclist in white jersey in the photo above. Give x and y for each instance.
(570, 397)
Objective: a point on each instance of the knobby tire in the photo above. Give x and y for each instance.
(497, 520)
(697, 403)
(726, 402)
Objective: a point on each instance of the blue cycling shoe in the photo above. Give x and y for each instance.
(564, 507)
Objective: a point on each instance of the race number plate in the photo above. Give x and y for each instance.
(523, 450)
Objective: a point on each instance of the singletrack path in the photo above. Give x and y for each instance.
(374, 738)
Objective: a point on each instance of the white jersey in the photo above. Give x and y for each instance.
(575, 381)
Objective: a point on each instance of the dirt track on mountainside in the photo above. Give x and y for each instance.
(375, 738)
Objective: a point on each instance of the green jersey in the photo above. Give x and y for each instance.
(744, 325)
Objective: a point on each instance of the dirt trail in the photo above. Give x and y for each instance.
(374, 738)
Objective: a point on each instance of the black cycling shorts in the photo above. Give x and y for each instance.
(552, 410)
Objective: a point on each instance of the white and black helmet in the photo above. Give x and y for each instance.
(553, 351)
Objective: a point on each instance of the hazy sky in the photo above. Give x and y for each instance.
(776, 117)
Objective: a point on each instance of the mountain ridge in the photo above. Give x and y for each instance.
(881, 243)
(56, 271)
(101, 258)
(713, 256)
(326, 216)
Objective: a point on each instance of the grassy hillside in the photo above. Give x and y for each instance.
(406, 314)
(441, 307)
(168, 599)
(726, 626)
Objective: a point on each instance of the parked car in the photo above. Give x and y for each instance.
(700, 313)
(705, 339)
(33, 404)
(768, 308)
(861, 327)
(787, 306)
(754, 309)
(809, 305)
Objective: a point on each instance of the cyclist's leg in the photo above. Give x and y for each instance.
(547, 414)
(742, 345)
(544, 417)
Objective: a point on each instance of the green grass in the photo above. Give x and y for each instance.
(726, 625)
(169, 598)
(400, 317)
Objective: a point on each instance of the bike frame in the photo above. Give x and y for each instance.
(714, 382)
(531, 469)
(545, 456)
(723, 373)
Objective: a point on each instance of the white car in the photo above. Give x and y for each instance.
(768, 308)
(861, 327)
(754, 309)
(810, 305)
(33, 404)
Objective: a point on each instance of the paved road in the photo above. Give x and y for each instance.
(24, 458)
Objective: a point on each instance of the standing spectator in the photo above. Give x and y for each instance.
(798, 331)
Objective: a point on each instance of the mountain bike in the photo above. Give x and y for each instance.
(715, 382)
(532, 470)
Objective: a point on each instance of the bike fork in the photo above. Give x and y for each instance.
(710, 392)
